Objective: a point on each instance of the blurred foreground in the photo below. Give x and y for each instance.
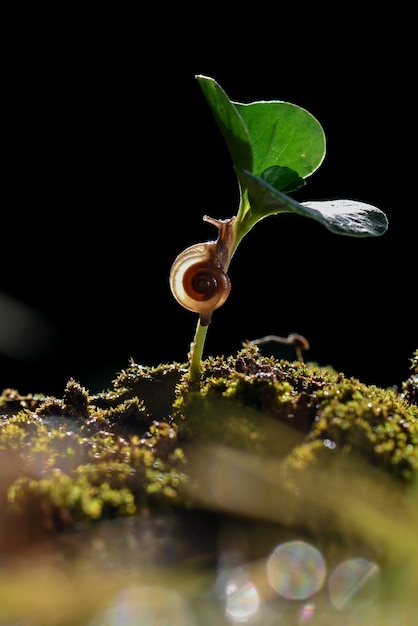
(238, 557)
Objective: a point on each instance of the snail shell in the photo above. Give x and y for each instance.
(198, 280)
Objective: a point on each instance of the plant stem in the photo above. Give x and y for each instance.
(196, 350)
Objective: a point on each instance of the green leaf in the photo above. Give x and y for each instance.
(282, 178)
(274, 147)
(347, 217)
(342, 217)
(264, 135)
(285, 135)
(230, 123)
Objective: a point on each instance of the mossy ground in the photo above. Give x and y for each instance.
(277, 444)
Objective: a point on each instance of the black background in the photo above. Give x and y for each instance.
(112, 157)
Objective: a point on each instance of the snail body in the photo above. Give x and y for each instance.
(198, 278)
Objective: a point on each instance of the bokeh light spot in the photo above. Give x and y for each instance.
(242, 602)
(354, 581)
(307, 613)
(296, 570)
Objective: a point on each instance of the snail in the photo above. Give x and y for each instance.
(198, 276)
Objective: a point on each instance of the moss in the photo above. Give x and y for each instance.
(333, 414)
(83, 457)
(410, 386)
(374, 424)
(237, 399)
(75, 462)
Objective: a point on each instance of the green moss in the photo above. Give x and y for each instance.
(375, 424)
(86, 457)
(333, 414)
(75, 462)
(410, 386)
(236, 401)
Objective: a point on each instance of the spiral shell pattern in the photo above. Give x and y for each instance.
(197, 280)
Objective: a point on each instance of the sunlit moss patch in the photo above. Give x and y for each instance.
(86, 457)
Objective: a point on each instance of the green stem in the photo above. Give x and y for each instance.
(196, 351)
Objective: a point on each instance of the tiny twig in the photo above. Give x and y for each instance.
(299, 342)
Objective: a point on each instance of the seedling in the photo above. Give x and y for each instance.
(274, 147)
